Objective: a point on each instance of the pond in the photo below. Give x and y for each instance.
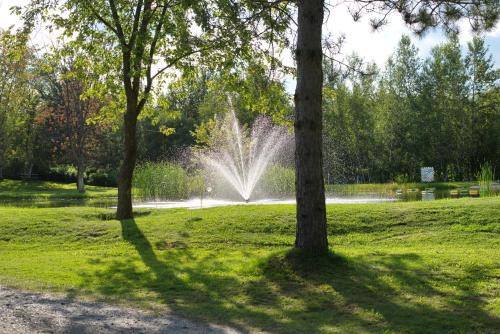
(423, 195)
(195, 203)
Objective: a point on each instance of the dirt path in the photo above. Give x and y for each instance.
(23, 312)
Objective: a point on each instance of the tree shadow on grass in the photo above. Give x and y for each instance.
(290, 293)
(393, 293)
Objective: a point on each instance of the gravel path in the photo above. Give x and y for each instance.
(23, 312)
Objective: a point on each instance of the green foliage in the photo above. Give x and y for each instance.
(396, 268)
(197, 185)
(440, 112)
(64, 171)
(278, 181)
(484, 93)
(101, 177)
(252, 93)
(486, 177)
(400, 129)
(93, 176)
(19, 133)
(402, 179)
(349, 126)
(160, 181)
(422, 16)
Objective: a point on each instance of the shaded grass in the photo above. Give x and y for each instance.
(45, 190)
(420, 267)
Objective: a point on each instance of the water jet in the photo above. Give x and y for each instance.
(240, 155)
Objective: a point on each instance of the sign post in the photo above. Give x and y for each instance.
(427, 174)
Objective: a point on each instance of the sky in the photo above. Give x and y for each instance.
(360, 38)
(378, 45)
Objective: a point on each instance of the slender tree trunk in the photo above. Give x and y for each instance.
(80, 172)
(1, 172)
(82, 108)
(124, 210)
(29, 170)
(310, 189)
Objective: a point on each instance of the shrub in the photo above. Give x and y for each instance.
(402, 179)
(93, 176)
(101, 177)
(61, 173)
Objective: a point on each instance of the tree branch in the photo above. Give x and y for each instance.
(116, 19)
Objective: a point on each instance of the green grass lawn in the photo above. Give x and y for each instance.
(45, 190)
(417, 267)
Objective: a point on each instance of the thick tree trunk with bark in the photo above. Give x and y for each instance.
(311, 212)
(124, 210)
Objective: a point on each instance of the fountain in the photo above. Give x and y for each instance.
(241, 155)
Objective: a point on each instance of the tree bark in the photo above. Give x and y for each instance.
(311, 233)
(80, 172)
(29, 170)
(124, 209)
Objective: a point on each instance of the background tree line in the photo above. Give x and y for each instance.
(379, 124)
(443, 111)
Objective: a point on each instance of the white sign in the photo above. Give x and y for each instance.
(427, 174)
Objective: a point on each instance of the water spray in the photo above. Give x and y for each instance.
(241, 155)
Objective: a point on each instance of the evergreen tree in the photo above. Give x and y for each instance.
(445, 96)
(403, 132)
(484, 101)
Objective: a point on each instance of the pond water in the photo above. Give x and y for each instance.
(195, 203)
(417, 195)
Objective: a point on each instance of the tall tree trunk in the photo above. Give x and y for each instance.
(80, 172)
(124, 210)
(310, 189)
(1, 172)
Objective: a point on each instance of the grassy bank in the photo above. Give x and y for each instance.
(44, 190)
(419, 267)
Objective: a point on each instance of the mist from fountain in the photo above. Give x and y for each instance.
(241, 155)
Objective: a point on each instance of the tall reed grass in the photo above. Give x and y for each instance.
(485, 178)
(278, 181)
(160, 181)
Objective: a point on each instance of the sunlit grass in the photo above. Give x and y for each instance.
(420, 267)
